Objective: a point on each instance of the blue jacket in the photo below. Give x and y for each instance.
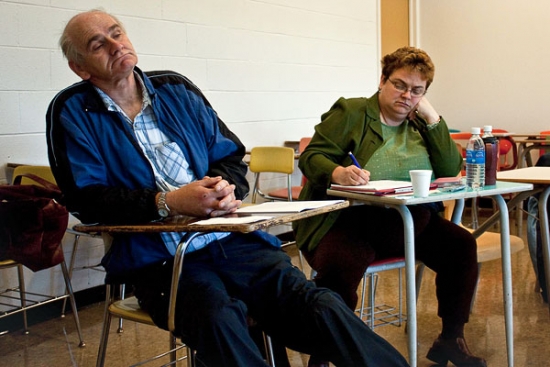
(104, 174)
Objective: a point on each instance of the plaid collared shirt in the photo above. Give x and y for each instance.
(169, 164)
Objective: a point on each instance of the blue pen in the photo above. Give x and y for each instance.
(354, 160)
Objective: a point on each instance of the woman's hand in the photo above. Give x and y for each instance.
(425, 110)
(350, 175)
(211, 196)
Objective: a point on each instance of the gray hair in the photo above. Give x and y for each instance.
(67, 43)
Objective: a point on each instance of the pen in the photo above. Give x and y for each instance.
(354, 160)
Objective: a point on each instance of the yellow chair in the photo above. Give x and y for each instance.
(272, 160)
(32, 300)
(46, 173)
(129, 309)
(275, 160)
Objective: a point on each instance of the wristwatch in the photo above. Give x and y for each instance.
(162, 207)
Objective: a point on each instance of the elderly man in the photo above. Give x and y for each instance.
(130, 147)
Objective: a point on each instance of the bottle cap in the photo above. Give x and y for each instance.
(475, 130)
(487, 128)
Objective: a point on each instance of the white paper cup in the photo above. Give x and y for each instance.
(420, 179)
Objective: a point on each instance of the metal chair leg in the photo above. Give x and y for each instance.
(400, 306)
(72, 300)
(475, 288)
(71, 267)
(106, 327)
(122, 290)
(372, 290)
(269, 350)
(21, 277)
(363, 292)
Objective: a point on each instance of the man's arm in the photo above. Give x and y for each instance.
(232, 168)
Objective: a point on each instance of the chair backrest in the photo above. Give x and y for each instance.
(544, 134)
(304, 142)
(504, 145)
(301, 147)
(274, 160)
(44, 172)
(508, 151)
(461, 139)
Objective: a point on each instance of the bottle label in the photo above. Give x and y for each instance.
(475, 156)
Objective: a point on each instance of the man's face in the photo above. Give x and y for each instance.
(107, 53)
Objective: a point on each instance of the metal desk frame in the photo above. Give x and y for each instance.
(540, 177)
(400, 203)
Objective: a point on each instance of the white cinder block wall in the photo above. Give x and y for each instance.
(269, 67)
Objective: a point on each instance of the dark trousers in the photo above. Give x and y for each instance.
(365, 233)
(534, 238)
(239, 277)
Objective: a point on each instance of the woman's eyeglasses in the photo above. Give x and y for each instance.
(404, 88)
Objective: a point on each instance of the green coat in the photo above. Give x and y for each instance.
(354, 125)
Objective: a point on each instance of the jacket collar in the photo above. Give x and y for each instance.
(93, 101)
(373, 114)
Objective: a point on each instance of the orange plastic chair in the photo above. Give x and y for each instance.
(461, 140)
(507, 160)
(546, 134)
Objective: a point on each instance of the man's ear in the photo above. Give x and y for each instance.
(78, 70)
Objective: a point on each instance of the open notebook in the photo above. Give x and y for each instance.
(275, 207)
(380, 187)
(286, 206)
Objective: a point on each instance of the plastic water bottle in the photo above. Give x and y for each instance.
(475, 161)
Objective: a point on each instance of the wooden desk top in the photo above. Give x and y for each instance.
(527, 135)
(532, 140)
(185, 224)
(534, 175)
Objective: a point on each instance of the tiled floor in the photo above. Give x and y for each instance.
(54, 343)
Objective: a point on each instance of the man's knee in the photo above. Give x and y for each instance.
(326, 300)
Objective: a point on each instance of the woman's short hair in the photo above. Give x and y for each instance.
(411, 58)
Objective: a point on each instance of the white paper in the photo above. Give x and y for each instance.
(231, 220)
(377, 185)
(286, 206)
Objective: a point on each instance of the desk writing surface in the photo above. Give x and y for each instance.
(436, 195)
(526, 135)
(533, 140)
(185, 224)
(534, 175)
(280, 207)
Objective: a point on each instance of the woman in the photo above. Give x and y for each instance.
(390, 133)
